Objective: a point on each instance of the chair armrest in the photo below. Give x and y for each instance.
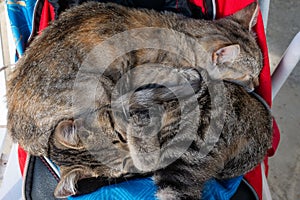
(286, 65)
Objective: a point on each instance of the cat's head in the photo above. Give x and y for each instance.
(88, 148)
(235, 53)
(162, 119)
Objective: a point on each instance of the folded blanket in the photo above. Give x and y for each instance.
(145, 189)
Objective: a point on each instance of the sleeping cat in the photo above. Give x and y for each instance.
(150, 110)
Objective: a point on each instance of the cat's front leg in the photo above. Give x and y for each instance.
(182, 181)
(167, 193)
(184, 178)
(177, 186)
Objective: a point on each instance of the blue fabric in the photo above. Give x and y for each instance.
(20, 14)
(130, 190)
(220, 189)
(145, 189)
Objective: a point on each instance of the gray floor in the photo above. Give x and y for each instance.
(284, 177)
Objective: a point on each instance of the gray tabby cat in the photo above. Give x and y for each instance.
(159, 132)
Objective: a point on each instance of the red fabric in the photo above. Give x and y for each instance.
(254, 178)
(47, 15)
(200, 4)
(22, 155)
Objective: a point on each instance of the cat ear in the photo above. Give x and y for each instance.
(67, 184)
(226, 54)
(66, 133)
(247, 16)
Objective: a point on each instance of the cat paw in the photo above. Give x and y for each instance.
(167, 194)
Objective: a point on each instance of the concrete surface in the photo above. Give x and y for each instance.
(284, 175)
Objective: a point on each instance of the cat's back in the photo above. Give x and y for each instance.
(40, 89)
(62, 47)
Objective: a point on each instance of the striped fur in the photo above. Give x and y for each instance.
(105, 141)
